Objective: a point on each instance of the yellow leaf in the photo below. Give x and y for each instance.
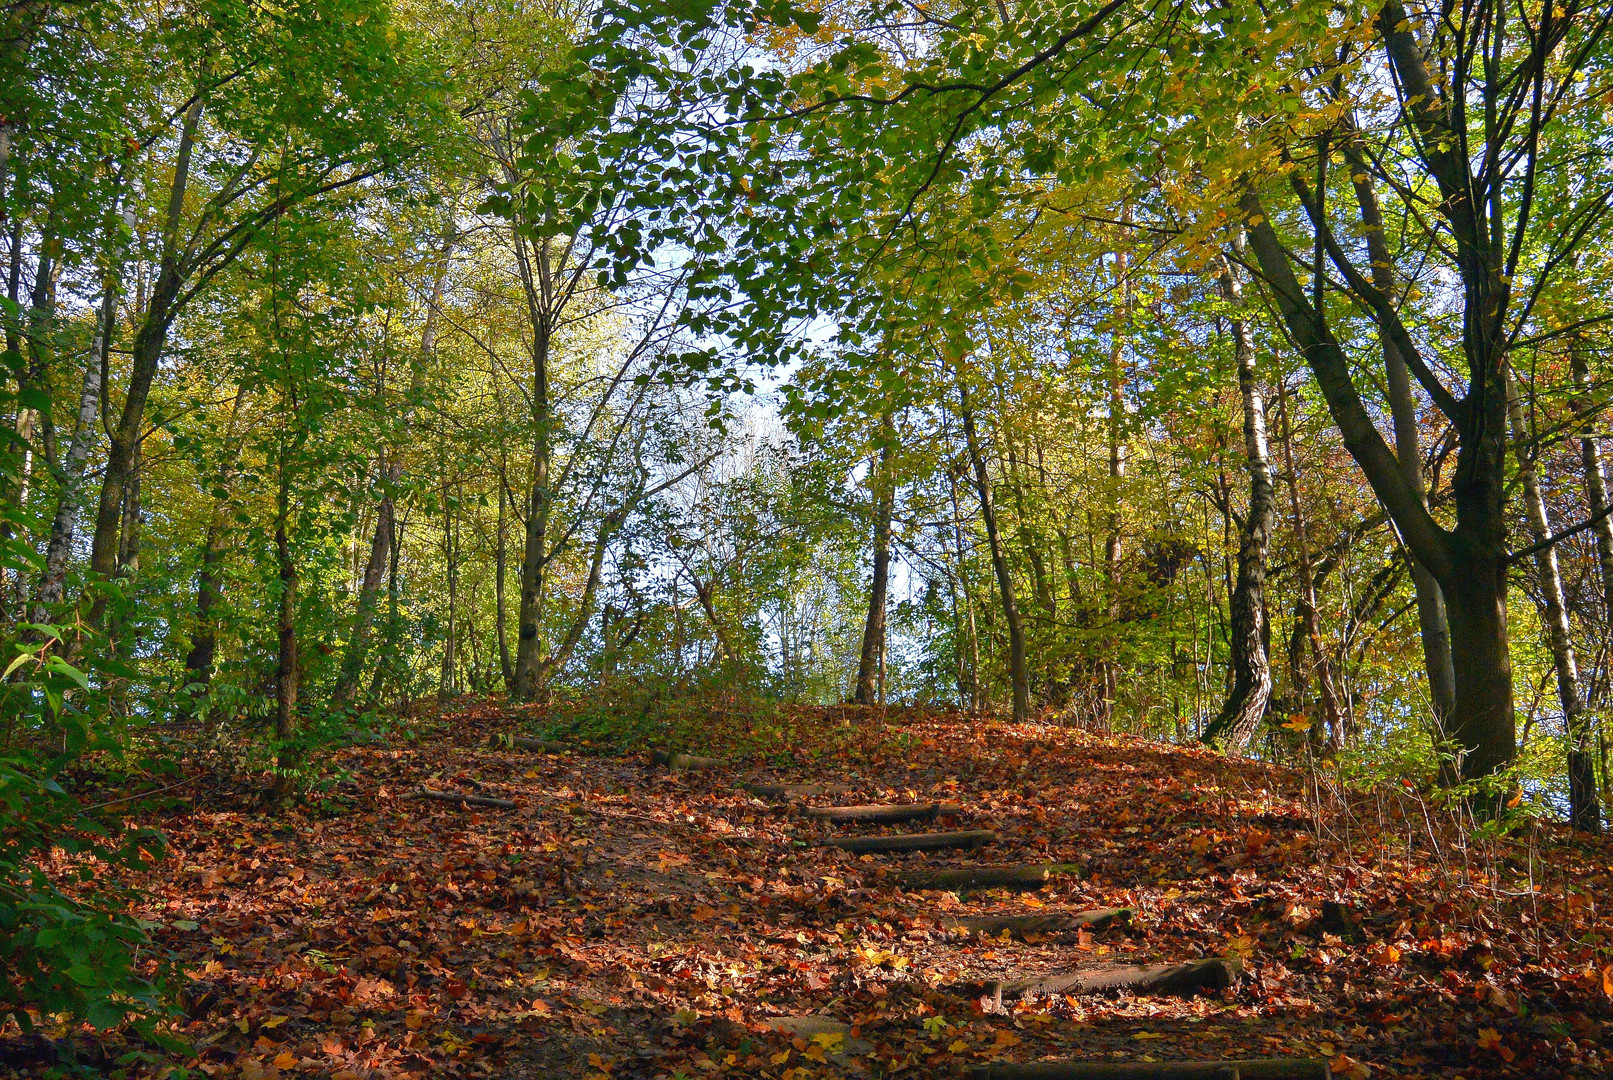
(829, 1040)
(1298, 722)
(1489, 1039)
(779, 1058)
(274, 1022)
(286, 1060)
(1147, 1035)
(814, 1053)
(959, 1046)
(1256, 219)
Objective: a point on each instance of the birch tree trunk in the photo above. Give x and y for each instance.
(1245, 705)
(1584, 809)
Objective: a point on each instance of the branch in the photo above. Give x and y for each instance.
(1550, 541)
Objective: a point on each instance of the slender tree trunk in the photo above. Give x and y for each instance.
(52, 582)
(390, 469)
(288, 756)
(1018, 674)
(1590, 456)
(1113, 548)
(445, 682)
(501, 561)
(873, 645)
(1321, 664)
(1585, 811)
(976, 697)
(1245, 706)
(529, 642)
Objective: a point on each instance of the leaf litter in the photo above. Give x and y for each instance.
(625, 920)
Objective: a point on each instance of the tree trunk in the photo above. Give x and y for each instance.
(1245, 706)
(869, 684)
(1321, 664)
(1590, 455)
(1431, 616)
(288, 754)
(501, 561)
(445, 680)
(60, 546)
(149, 341)
(1469, 562)
(529, 642)
(1019, 676)
(1584, 809)
(1114, 542)
(390, 468)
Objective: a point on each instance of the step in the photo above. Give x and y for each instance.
(939, 841)
(1244, 1069)
(1056, 922)
(977, 877)
(881, 813)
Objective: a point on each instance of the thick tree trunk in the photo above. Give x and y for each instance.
(149, 341)
(1245, 706)
(1018, 673)
(1584, 808)
(1431, 617)
(1469, 562)
(870, 686)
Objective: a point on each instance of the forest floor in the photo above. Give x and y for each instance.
(628, 920)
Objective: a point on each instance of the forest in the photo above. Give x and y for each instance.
(515, 513)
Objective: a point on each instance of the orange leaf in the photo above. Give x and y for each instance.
(286, 1060)
(1607, 980)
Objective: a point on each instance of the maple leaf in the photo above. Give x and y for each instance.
(1384, 954)
(1490, 1039)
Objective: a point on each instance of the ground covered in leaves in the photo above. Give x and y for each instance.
(628, 920)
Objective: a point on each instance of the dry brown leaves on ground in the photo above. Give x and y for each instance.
(625, 920)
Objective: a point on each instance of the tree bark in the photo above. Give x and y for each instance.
(445, 681)
(1019, 675)
(1245, 706)
(1470, 562)
(501, 563)
(288, 754)
(390, 468)
(149, 342)
(52, 583)
(1590, 455)
(1584, 807)
(1431, 616)
(870, 686)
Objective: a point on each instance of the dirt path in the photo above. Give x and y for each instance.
(624, 919)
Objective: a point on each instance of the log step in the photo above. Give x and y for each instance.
(457, 797)
(686, 761)
(1245, 1069)
(541, 746)
(794, 791)
(1019, 926)
(977, 877)
(900, 812)
(1182, 980)
(939, 841)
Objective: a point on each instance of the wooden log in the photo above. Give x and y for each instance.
(1245, 1069)
(686, 761)
(900, 812)
(977, 877)
(469, 800)
(936, 841)
(794, 791)
(541, 746)
(1059, 922)
(1182, 980)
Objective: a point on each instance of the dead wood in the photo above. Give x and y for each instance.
(977, 877)
(1060, 922)
(1247, 1069)
(686, 761)
(541, 746)
(469, 800)
(1179, 979)
(939, 841)
(794, 791)
(900, 812)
